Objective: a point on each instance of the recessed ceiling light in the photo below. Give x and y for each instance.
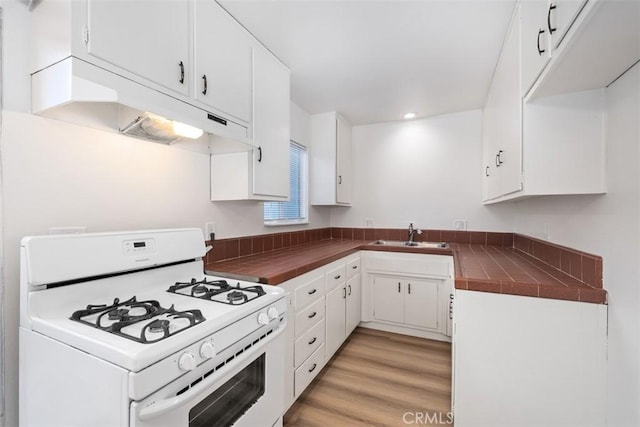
(410, 116)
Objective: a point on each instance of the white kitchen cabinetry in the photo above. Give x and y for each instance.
(330, 158)
(223, 61)
(408, 293)
(407, 301)
(560, 15)
(324, 308)
(271, 102)
(343, 303)
(538, 146)
(507, 365)
(535, 41)
(90, 58)
(305, 335)
(501, 120)
(262, 173)
(149, 39)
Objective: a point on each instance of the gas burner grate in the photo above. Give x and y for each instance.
(217, 290)
(122, 319)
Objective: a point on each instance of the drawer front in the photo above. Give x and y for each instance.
(353, 267)
(309, 293)
(336, 277)
(308, 370)
(308, 317)
(308, 343)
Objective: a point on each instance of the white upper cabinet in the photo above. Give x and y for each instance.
(560, 135)
(150, 39)
(502, 147)
(330, 158)
(560, 16)
(270, 127)
(536, 41)
(223, 61)
(593, 43)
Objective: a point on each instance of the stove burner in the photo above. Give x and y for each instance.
(235, 296)
(120, 319)
(217, 290)
(118, 314)
(158, 325)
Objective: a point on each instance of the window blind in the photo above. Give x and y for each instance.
(295, 208)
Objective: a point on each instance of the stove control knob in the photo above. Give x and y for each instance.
(207, 350)
(263, 319)
(187, 362)
(273, 313)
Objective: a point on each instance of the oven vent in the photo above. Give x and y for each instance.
(238, 353)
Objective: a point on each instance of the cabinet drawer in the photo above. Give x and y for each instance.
(336, 277)
(440, 266)
(308, 343)
(309, 317)
(309, 369)
(353, 267)
(311, 292)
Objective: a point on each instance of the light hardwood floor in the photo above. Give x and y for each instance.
(379, 379)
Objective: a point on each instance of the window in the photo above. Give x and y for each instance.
(295, 210)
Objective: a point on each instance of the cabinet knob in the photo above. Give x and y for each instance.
(551, 7)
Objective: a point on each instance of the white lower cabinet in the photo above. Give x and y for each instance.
(524, 361)
(408, 293)
(324, 308)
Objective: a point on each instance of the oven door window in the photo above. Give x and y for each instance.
(225, 405)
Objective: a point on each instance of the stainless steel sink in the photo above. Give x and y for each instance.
(433, 245)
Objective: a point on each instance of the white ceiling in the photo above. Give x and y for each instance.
(373, 61)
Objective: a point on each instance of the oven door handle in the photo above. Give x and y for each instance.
(161, 407)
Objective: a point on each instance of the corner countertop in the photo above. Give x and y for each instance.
(482, 268)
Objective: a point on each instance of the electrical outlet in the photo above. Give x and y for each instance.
(67, 230)
(460, 224)
(209, 227)
(368, 222)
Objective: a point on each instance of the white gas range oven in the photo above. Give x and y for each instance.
(124, 329)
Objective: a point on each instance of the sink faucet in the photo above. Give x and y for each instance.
(413, 232)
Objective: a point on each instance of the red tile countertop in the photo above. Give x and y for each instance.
(484, 268)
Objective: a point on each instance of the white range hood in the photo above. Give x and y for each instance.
(76, 91)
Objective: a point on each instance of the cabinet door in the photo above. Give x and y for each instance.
(353, 303)
(536, 46)
(223, 59)
(388, 299)
(343, 161)
(489, 151)
(421, 303)
(560, 15)
(335, 319)
(148, 38)
(270, 126)
(505, 89)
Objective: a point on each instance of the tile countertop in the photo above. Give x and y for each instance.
(478, 267)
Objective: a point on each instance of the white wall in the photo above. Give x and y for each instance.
(422, 171)
(55, 175)
(608, 225)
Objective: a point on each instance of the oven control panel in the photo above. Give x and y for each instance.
(139, 247)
